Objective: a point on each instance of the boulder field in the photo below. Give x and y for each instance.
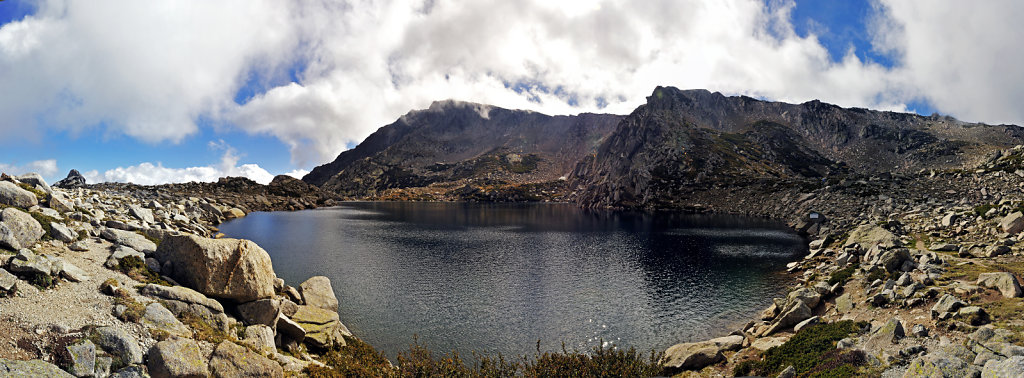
(121, 282)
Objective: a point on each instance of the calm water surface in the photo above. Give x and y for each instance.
(497, 278)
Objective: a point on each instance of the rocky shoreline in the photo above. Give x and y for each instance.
(126, 281)
(908, 276)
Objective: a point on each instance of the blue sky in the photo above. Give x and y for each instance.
(200, 89)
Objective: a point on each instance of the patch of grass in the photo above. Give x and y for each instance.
(357, 359)
(44, 220)
(150, 238)
(981, 210)
(42, 281)
(842, 275)
(134, 310)
(159, 334)
(812, 352)
(878, 274)
(40, 195)
(202, 330)
(1005, 309)
(134, 267)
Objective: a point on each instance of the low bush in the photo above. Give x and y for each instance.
(812, 352)
(842, 275)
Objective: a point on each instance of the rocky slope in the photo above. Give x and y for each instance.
(685, 142)
(124, 281)
(453, 144)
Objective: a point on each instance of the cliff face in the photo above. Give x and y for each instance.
(457, 141)
(694, 139)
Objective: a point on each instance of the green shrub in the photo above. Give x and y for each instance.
(813, 349)
(134, 310)
(42, 281)
(981, 210)
(878, 274)
(134, 267)
(842, 275)
(356, 359)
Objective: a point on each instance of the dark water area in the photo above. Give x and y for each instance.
(498, 278)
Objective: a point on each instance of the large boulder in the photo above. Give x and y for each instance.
(1012, 223)
(61, 232)
(141, 213)
(180, 299)
(221, 268)
(323, 328)
(129, 239)
(795, 312)
(177, 357)
(1004, 281)
(869, 235)
(159, 317)
(27, 262)
(8, 282)
(232, 360)
(8, 239)
(317, 292)
(36, 181)
(13, 195)
(58, 202)
(263, 311)
(83, 358)
(695, 356)
(1010, 367)
(26, 229)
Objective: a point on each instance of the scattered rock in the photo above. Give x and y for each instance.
(177, 357)
(867, 235)
(8, 282)
(946, 304)
(57, 202)
(1012, 223)
(179, 299)
(159, 317)
(27, 262)
(7, 238)
(260, 337)
(141, 213)
(263, 311)
(61, 232)
(1010, 367)
(73, 273)
(129, 239)
(323, 328)
(889, 333)
(222, 268)
(695, 356)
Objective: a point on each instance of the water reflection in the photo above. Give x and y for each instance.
(497, 278)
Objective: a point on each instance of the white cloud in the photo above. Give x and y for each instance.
(154, 174)
(46, 168)
(298, 173)
(150, 70)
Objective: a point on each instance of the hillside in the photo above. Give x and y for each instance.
(460, 142)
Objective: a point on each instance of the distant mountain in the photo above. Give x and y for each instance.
(682, 139)
(459, 142)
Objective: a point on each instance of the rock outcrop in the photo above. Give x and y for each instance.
(73, 180)
(221, 268)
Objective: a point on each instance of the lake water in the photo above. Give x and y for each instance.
(498, 278)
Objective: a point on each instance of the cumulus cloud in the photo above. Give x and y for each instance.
(297, 173)
(154, 174)
(46, 168)
(151, 70)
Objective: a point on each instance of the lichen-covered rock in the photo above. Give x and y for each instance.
(1012, 223)
(946, 304)
(83, 358)
(323, 328)
(232, 360)
(129, 239)
(7, 238)
(119, 344)
(263, 311)
(1010, 367)
(13, 195)
(26, 262)
(180, 299)
(59, 203)
(159, 317)
(260, 337)
(869, 235)
(222, 268)
(33, 368)
(695, 356)
(8, 282)
(318, 292)
(177, 357)
(1004, 281)
(25, 228)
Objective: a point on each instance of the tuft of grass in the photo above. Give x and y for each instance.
(134, 267)
(981, 210)
(812, 352)
(878, 274)
(134, 310)
(40, 195)
(842, 275)
(44, 220)
(42, 281)
(356, 359)
(202, 330)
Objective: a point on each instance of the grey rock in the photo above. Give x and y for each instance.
(221, 268)
(317, 292)
(119, 344)
(232, 360)
(130, 372)
(59, 203)
(893, 259)
(1012, 223)
(25, 228)
(180, 299)
(159, 317)
(36, 181)
(290, 329)
(8, 282)
(263, 311)
(103, 364)
(7, 238)
(973, 315)
(944, 247)
(323, 328)
(121, 252)
(177, 357)
(60, 232)
(83, 358)
(288, 308)
(260, 337)
(806, 323)
(947, 303)
(13, 195)
(788, 372)
(33, 368)
(695, 356)
(1010, 367)
(141, 213)
(79, 246)
(796, 312)
(884, 336)
(73, 273)
(809, 297)
(844, 303)
(1006, 282)
(27, 262)
(129, 239)
(919, 330)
